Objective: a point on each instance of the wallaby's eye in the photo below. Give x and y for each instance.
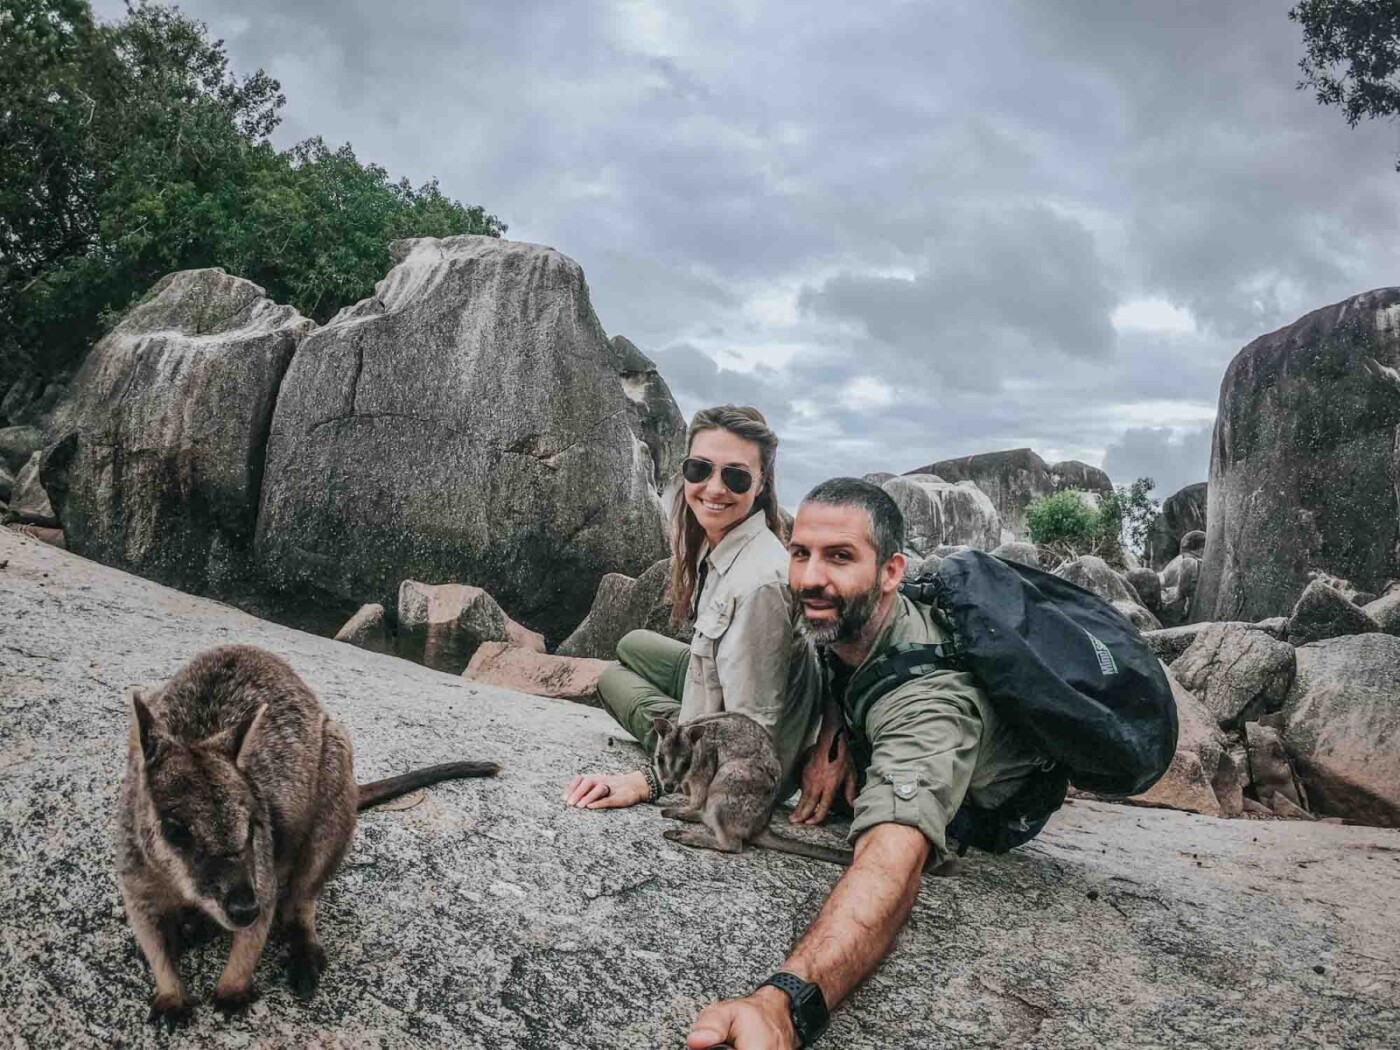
(176, 833)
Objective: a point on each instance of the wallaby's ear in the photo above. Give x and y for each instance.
(694, 733)
(245, 736)
(661, 725)
(145, 723)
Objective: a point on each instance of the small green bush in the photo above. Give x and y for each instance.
(1063, 518)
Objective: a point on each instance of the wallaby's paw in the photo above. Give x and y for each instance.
(950, 868)
(304, 969)
(235, 1001)
(674, 834)
(170, 1012)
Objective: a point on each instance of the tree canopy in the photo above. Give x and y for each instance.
(1353, 55)
(129, 150)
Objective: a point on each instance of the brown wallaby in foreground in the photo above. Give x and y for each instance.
(239, 802)
(729, 771)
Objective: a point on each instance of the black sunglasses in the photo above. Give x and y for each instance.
(736, 479)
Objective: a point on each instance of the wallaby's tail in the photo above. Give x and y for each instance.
(392, 787)
(770, 839)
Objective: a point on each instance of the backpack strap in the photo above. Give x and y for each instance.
(899, 664)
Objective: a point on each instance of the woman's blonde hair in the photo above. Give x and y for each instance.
(687, 534)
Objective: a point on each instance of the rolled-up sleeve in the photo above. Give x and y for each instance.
(924, 738)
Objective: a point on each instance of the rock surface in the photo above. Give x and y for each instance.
(1182, 512)
(1237, 672)
(623, 604)
(656, 418)
(165, 432)
(572, 678)
(1269, 769)
(441, 625)
(1013, 479)
(367, 629)
(1385, 612)
(488, 916)
(1304, 473)
(1180, 579)
(1342, 723)
(18, 444)
(1323, 612)
(939, 513)
(472, 418)
(1188, 784)
(1096, 575)
(1072, 474)
(1020, 551)
(28, 496)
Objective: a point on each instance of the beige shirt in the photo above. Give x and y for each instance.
(747, 655)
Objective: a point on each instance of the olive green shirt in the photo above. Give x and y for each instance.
(932, 742)
(747, 654)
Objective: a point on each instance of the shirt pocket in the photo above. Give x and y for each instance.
(710, 627)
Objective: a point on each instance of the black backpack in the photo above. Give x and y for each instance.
(1068, 670)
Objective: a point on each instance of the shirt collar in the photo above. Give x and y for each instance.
(735, 540)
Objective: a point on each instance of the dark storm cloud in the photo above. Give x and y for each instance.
(906, 231)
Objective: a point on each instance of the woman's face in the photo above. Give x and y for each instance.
(714, 504)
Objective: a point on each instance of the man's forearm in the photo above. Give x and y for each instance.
(865, 911)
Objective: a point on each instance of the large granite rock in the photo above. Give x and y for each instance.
(1182, 512)
(572, 678)
(442, 625)
(1072, 474)
(1188, 784)
(162, 441)
(1385, 612)
(1020, 551)
(18, 444)
(1013, 479)
(488, 915)
(1304, 469)
(1180, 580)
(1096, 575)
(939, 513)
(656, 418)
(1342, 726)
(28, 496)
(1237, 672)
(464, 422)
(624, 604)
(1323, 612)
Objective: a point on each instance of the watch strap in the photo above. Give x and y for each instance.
(806, 1003)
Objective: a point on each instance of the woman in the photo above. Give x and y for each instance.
(729, 576)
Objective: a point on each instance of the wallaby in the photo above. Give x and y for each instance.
(729, 771)
(239, 802)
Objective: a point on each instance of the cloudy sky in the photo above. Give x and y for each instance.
(905, 230)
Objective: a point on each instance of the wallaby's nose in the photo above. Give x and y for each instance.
(241, 906)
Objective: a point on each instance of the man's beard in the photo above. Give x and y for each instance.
(853, 616)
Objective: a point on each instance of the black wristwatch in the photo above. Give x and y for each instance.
(807, 1005)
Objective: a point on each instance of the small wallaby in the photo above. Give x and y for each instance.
(729, 771)
(238, 802)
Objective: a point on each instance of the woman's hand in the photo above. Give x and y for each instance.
(827, 771)
(607, 791)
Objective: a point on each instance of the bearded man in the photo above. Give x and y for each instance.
(923, 762)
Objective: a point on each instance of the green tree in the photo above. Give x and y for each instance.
(131, 150)
(1353, 55)
(1071, 523)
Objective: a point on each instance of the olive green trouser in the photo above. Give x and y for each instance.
(648, 683)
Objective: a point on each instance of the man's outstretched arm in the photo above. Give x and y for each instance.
(852, 934)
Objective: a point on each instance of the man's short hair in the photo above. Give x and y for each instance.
(886, 521)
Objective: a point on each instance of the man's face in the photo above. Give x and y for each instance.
(834, 572)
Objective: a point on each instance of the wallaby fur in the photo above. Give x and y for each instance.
(238, 802)
(729, 771)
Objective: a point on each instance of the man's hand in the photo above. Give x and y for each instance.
(761, 1021)
(828, 770)
(610, 791)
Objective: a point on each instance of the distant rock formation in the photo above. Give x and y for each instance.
(1182, 512)
(939, 513)
(656, 418)
(1304, 468)
(1017, 477)
(464, 423)
(155, 463)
